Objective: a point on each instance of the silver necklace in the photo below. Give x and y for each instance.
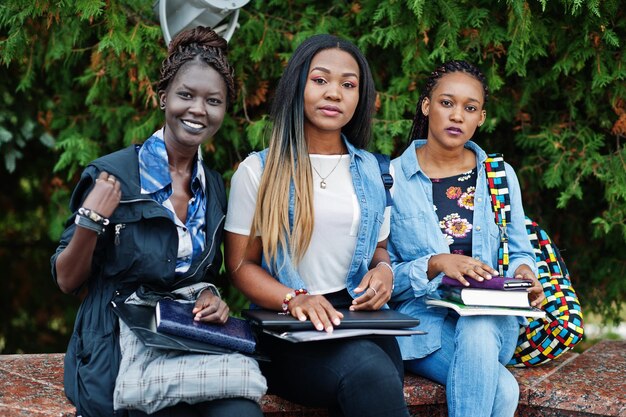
(323, 181)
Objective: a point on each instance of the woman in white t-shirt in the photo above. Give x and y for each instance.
(307, 230)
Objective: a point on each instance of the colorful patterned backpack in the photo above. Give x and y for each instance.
(562, 328)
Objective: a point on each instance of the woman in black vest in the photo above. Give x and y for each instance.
(147, 223)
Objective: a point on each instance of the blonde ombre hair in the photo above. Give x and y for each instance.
(287, 165)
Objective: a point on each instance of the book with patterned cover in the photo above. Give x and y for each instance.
(174, 317)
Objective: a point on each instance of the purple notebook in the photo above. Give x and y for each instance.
(175, 318)
(495, 283)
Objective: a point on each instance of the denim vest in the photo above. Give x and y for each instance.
(370, 192)
(416, 236)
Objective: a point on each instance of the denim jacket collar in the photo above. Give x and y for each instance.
(411, 166)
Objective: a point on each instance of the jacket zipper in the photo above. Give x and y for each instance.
(120, 226)
(207, 253)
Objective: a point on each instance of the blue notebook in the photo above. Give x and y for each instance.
(176, 318)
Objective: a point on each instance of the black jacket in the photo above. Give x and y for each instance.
(136, 253)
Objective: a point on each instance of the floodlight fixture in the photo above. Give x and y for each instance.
(178, 15)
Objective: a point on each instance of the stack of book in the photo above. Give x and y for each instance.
(497, 296)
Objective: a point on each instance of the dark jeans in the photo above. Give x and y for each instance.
(360, 376)
(227, 407)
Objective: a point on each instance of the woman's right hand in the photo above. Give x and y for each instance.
(73, 265)
(317, 309)
(458, 266)
(105, 195)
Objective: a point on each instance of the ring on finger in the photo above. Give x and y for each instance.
(373, 289)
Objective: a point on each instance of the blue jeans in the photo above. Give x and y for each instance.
(471, 364)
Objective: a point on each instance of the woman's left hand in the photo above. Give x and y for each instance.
(535, 293)
(210, 308)
(376, 288)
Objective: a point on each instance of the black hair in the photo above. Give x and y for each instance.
(203, 44)
(419, 129)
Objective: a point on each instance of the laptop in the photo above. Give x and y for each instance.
(379, 319)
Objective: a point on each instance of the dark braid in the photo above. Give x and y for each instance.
(419, 130)
(202, 44)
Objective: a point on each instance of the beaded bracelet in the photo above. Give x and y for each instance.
(393, 276)
(93, 216)
(87, 223)
(290, 296)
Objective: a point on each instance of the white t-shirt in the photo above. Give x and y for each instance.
(324, 266)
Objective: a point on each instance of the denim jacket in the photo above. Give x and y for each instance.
(370, 192)
(415, 237)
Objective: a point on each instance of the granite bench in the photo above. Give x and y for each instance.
(589, 384)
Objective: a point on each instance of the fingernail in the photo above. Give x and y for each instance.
(336, 322)
(319, 326)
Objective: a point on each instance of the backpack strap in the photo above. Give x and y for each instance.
(500, 203)
(383, 163)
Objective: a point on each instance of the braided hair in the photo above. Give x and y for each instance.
(419, 130)
(198, 44)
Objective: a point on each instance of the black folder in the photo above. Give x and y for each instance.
(142, 321)
(379, 319)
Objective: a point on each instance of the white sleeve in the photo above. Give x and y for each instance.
(386, 227)
(244, 188)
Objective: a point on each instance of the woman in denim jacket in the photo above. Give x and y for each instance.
(306, 233)
(442, 223)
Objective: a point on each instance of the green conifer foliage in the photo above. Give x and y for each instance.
(78, 80)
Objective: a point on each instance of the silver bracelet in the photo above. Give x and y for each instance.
(393, 276)
(93, 216)
(87, 223)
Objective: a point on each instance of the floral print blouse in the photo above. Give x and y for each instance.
(453, 199)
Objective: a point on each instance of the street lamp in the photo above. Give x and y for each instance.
(178, 15)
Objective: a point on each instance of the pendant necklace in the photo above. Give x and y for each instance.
(323, 181)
